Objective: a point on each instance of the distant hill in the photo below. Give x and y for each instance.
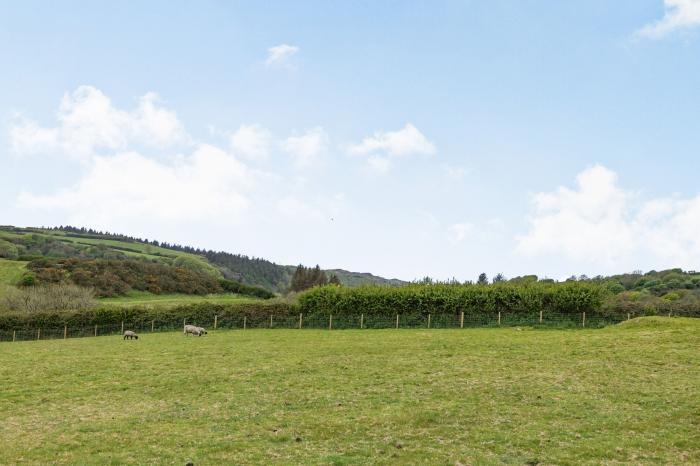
(72, 242)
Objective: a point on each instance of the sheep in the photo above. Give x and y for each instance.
(194, 330)
(130, 335)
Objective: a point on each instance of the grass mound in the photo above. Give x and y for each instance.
(660, 323)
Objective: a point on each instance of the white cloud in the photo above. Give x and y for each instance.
(679, 14)
(406, 141)
(306, 148)
(602, 224)
(207, 183)
(384, 145)
(279, 55)
(87, 123)
(251, 141)
(460, 231)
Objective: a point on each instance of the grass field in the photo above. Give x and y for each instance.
(10, 273)
(625, 394)
(142, 297)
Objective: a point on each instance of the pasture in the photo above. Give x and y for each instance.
(138, 298)
(623, 394)
(10, 273)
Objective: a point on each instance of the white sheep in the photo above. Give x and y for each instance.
(194, 330)
(130, 335)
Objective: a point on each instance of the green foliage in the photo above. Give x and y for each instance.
(256, 313)
(247, 290)
(8, 250)
(473, 300)
(195, 265)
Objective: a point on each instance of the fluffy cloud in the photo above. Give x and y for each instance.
(279, 55)
(602, 224)
(207, 183)
(307, 147)
(406, 141)
(384, 145)
(679, 14)
(87, 124)
(252, 142)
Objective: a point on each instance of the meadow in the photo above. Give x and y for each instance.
(623, 394)
(138, 298)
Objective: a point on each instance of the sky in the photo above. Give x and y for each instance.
(406, 139)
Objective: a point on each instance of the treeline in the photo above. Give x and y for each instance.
(307, 277)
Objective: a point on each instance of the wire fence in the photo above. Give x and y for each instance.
(329, 322)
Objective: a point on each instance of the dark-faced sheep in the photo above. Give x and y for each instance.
(130, 335)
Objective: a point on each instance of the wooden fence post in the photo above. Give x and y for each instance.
(330, 322)
(65, 332)
(270, 320)
(499, 317)
(584, 319)
(95, 330)
(362, 320)
(153, 325)
(461, 320)
(428, 320)
(216, 318)
(300, 320)
(122, 327)
(628, 316)
(14, 334)
(540, 315)
(184, 321)
(38, 334)
(397, 321)
(669, 314)
(244, 322)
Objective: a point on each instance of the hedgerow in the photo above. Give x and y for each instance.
(570, 297)
(230, 314)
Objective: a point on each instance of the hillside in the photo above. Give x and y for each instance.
(69, 242)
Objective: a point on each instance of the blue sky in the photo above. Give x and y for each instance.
(402, 138)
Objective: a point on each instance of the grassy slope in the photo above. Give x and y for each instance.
(10, 273)
(142, 297)
(626, 394)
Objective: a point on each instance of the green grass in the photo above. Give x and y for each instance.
(143, 297)
(10, 273)
(626, 394)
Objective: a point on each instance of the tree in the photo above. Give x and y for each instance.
(334, 280)
(499, 278)
(483, 279)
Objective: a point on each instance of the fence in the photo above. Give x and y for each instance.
(330, 322)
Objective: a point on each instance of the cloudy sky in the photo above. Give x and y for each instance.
(402, 138)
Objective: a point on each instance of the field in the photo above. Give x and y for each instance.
(137, 298)
(624, 394)
(10, 273)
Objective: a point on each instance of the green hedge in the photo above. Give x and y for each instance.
(201, 314)
(473, 300)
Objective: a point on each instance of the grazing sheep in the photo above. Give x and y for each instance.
(130, 335)
(194, 330)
